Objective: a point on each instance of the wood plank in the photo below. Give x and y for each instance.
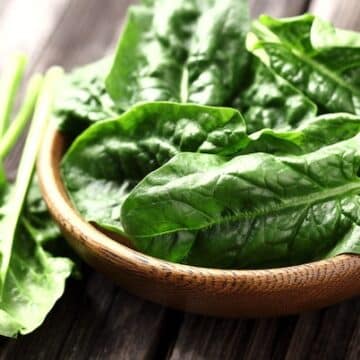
(326, 334)
(202, 337)
(74, 41)
(353, 352)
(127, 324)
(89, 31)
(95, 319)
(3, 5)
(40, 26)
(270, 338)
(279, 8)
(206, 338)
(210, 338)
(343, 13)
(38, 345)
(304, 334)
(20, 32)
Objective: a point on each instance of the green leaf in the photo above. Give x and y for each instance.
(36, 277)
(35, 281)
(269, 101)
(17, 125)
(292, 31)
(254, 210)
(109, 158)
(190, 51)
(316, 63)
(310, 136)
(32, 279)
(38, 268)
(175, 51)
(325, 35)
(337, 49)
(9, 85)
(83, 99)
(15, 201)
(348, 244)
(326, 88)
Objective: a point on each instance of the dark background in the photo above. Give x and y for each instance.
(96, 319)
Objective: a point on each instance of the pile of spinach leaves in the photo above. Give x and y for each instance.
(208, 140)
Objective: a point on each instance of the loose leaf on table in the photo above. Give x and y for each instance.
(110, 157)
(35, 280)
(32, 279)
(15, 201)
(314, 57)
(255, 210)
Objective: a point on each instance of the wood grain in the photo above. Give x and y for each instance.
(279, 8)
(20, 32)
(353, 351)
(204, 338)
(199, 337)
(343, 13)
(94, 304)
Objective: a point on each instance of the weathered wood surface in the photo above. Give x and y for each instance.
(97, 320)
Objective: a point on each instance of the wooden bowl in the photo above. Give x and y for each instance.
(225, 293)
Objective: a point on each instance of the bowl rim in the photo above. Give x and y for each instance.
(50, 185)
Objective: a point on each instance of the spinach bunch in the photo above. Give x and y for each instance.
(32, 276)
(221, 143)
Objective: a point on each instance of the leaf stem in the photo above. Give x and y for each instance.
(21, 119)
(184, 86)
(14, 205)
(9, 85)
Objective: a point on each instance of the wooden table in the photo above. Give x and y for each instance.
(96, 319)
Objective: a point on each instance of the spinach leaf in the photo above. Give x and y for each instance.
(184, 51)
(201, 58)
(269, 101)
(32, 279)
(16, 198)
(83, 99)
(309, 136)
(147, 136)
(190, 51)
(35, 281)
(107, 160)
(254, 210)
(316, 62)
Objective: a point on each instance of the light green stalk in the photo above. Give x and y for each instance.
(15, 202)
(9, 84)
(17, 126)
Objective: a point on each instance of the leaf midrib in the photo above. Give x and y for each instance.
(323, 69)
(294, 202)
